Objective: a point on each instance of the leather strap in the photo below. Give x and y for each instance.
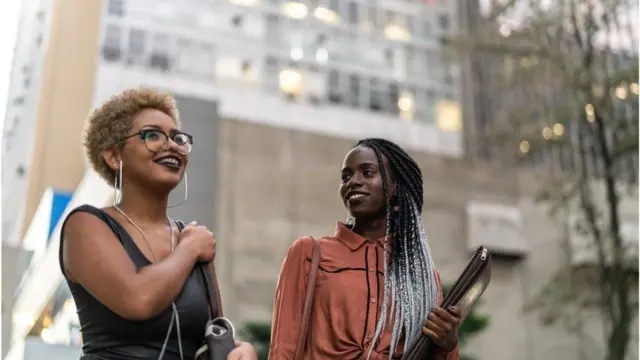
(214, 279)
(308, 300)
(210, 289)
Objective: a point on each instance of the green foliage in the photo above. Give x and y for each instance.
(258, 334)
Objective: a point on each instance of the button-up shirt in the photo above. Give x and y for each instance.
(346, 305)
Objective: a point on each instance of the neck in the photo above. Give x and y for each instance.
(144, 205)
(370, 229)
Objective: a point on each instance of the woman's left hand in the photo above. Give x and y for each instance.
(243, 351)
(441, 326)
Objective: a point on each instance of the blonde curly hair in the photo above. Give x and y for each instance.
(107, 125)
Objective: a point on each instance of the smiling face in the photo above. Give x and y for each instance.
(361, 186)
(145, 158)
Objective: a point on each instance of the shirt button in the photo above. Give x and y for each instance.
(372, 269)
(373, 300)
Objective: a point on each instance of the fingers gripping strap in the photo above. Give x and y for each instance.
(308, 300)
(204, 268)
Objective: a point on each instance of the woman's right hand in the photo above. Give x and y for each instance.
(199, 241)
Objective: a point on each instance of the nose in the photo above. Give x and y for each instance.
(172, 145)
(354, 181)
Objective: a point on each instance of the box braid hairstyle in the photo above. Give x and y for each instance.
(409, 279)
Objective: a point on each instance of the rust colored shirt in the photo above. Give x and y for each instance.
(346, 305)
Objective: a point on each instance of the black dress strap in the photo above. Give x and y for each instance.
(121, 234)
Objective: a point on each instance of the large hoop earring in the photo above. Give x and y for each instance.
(350, 220)
(186, 192)
(117, 186)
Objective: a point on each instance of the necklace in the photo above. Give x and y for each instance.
(174, 314)
(144, 237)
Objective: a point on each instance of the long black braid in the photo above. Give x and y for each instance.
(410, 284)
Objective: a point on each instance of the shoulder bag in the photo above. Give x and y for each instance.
(219, 333)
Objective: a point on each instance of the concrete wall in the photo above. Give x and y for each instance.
(277, 185)
(200, 118)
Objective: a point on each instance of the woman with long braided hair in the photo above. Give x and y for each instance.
(377, 289)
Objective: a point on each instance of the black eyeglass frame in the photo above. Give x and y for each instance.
(143, 132)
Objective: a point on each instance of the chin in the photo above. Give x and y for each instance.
(169, 182)
(361, 213)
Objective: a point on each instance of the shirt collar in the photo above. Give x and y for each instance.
(352, 240)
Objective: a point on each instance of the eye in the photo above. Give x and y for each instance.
(151, 135)
(181, 139)
(345, 177)
(368, 173)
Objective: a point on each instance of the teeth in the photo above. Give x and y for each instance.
(355, 196)
(171, 161)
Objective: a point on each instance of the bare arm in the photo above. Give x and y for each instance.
(94, 258)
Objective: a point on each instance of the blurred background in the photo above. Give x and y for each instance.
(523, 115)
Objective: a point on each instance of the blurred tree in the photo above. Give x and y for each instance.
(472, 325)
(258, 334)
(563, 79)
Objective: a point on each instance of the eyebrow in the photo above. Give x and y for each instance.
(156, 127)
(366, 163)
(152, 126)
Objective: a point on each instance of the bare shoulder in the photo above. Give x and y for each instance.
(87, 239)
(83, 222)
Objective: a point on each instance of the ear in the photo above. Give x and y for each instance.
(112, 157)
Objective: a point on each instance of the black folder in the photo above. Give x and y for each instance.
(466, 291)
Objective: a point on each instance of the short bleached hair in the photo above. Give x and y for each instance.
(113, 120)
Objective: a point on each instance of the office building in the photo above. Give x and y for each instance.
(275, 93)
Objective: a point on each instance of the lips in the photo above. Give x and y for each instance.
(355, 196)
(172, 162)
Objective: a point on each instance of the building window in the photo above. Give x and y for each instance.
(115, 8)
(228, 67)
(449, 116)
(273, 29)
(443, 21)
(111, 46)
(425, 29)
(354, 12)
(334, 88)
(19, 100)
(195, 58)
(160, 59)
(136, 47)
(355, 90)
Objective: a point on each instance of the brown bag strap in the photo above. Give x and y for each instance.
(214, 280)
(308, 300)
(209, 288)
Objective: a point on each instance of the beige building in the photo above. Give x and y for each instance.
(265, 168)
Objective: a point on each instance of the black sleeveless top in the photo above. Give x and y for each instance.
(108, 336)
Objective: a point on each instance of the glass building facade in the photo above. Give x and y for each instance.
(379, 56)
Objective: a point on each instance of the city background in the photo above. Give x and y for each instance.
(523, 116)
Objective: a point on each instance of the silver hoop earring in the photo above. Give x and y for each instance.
(186, 192)
(117, 186)
(350, 220)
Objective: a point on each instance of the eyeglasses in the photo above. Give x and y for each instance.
(157, 140)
